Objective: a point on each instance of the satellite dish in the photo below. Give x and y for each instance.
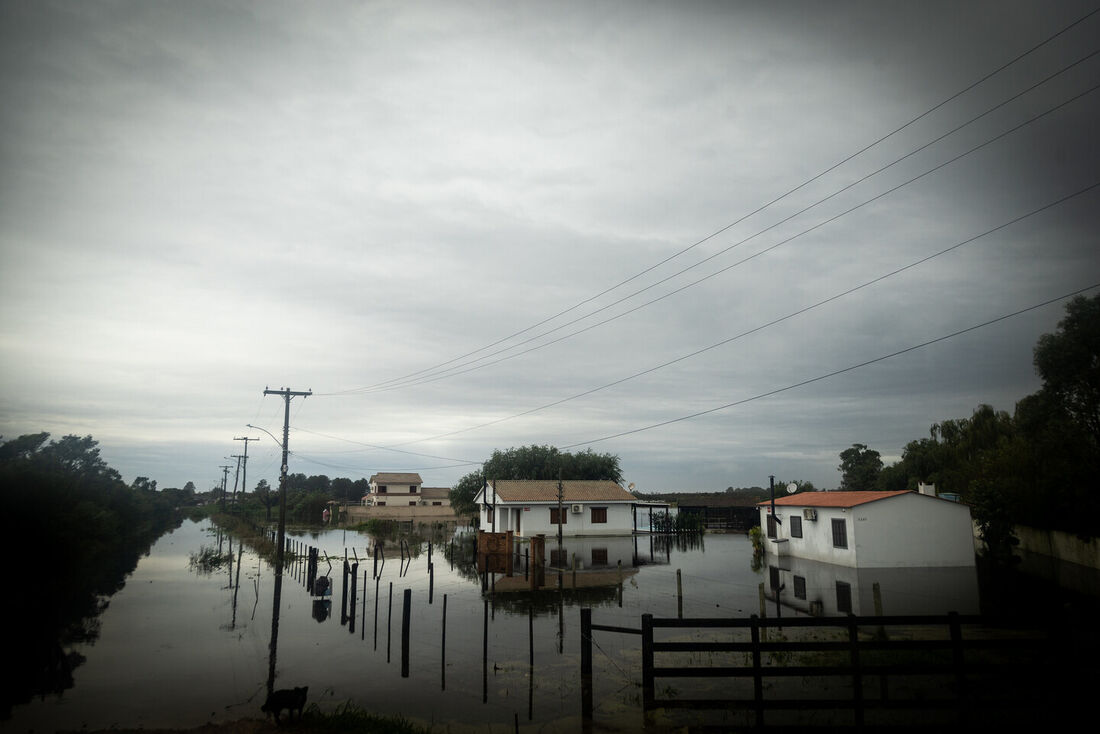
(792, 488)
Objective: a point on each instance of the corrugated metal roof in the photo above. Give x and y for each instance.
(438, 492)
(546, 490)
(395, 478)
(832, 499)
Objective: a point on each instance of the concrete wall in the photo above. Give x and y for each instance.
(1063, 546)
(419, 513)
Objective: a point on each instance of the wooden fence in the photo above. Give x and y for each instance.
(840, 671)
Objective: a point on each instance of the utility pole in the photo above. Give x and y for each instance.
(559, 513)
(244, 466)
(225, 482)
(236, 476)
(287, 394)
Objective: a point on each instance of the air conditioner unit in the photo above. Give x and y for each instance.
(576, 509)
(809, 513)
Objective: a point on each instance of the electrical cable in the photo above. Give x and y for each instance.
(771, 323)
(840, 163)
(834, 373)
(766, 250)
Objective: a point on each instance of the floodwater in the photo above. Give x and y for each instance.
(184, 643)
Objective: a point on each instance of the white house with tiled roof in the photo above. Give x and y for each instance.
(394, 489)
(531, 507)
(870, 529)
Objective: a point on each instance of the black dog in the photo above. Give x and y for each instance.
(286, 698)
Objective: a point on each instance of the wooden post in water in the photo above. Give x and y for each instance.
(431, 581)
(363, 615)
(354, 596)
(344, 595)
(389, 624)
(375, 560)
(679, 596)
(586, 663)
(531, 661)
(406, 612)
(573, 564)
(620, 593)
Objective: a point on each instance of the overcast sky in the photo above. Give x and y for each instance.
(455, 221)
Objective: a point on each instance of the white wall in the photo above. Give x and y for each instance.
(913, 530)
(536, 519)
(907, 531)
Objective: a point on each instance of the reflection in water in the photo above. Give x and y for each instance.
(825, 589)
(443, 684)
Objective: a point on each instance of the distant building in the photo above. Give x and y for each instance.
(394, 489)
(870, 529)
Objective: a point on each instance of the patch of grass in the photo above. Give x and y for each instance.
(351, 718)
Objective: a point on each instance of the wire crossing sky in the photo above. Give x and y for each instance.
(201, 199)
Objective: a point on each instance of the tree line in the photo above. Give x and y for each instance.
(1037, 466)
(87, 530)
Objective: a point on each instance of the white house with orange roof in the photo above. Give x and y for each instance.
(530, 507)
(870, 529)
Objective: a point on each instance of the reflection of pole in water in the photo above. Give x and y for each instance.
(280, 550)
(389, 624)
(237, 584)
(377, 581)
(443, 650)
(485, 655)
(531, 663)
(363, 615)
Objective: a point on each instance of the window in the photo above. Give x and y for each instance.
(799, 587)
(412, 489)
(796, 526)
(437, 504)
(599, 514)
(413, 503)
(599, 556)
(554, 515)
(381, 504)
(843, 597)
(489, 513)
(773, 577)
(771, 526)
(840, 533)
(381, 489)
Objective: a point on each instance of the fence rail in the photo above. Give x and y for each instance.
(923, 665)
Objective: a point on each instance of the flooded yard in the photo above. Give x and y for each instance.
(187, 640)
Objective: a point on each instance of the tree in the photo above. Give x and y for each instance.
(144, 484)
(463, 493)
(546, 462)
(265, 495)
(1069, 363)
(860, 467)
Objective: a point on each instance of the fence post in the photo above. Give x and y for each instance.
(586, 663)
(757, 671)
(647, 662)
(959, 661)
(857, 674)
(679, 596)
(406, 616)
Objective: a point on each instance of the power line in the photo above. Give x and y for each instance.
(834, 373)
(759, 209)
(453, 373)
(769, 324)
